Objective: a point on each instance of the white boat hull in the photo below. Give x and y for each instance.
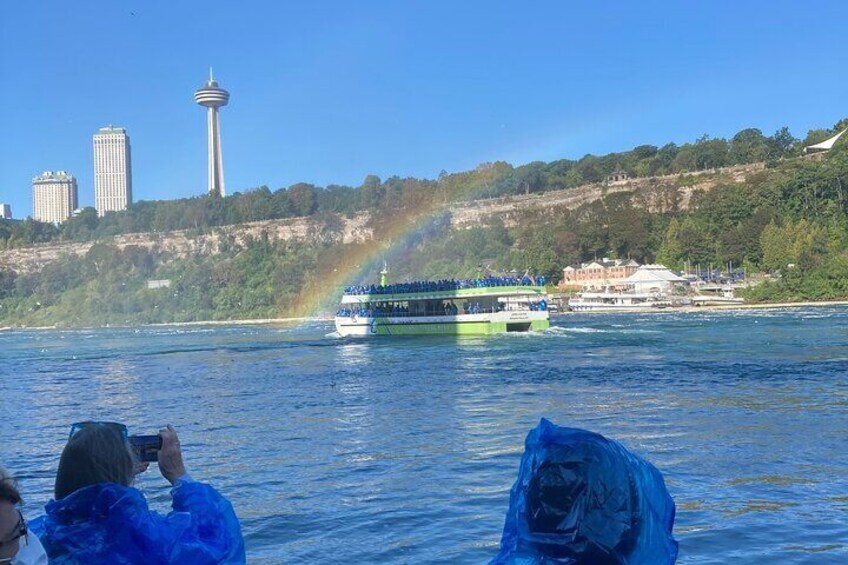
(716, 301)
(616, 307)
(468, 324)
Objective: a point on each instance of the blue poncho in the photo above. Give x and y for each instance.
(583, 499)
(111, 524)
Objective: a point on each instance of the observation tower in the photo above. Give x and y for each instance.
(213, 97)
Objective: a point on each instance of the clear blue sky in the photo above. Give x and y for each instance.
(328, 92)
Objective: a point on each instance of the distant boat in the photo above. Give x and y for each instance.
(717, 296)
(610, 301)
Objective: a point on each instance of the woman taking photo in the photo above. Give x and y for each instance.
(99, 518)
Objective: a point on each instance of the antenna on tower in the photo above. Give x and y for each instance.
(211, 78)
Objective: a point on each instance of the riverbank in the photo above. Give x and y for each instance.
(246, 322)
(714, 307)
(771, 305)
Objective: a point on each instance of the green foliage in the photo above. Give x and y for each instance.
(488, 180)
(794, 213)
(109, 286)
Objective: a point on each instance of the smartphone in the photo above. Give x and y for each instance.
(146, 447)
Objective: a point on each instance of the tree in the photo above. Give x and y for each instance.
(301, 196)
(710, 153)
(370, 193)
(81, 226)
(782, 143)
(748, 146)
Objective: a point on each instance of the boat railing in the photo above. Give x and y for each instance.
(474, 310)
(444, 286)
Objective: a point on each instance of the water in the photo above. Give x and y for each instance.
(403, 451)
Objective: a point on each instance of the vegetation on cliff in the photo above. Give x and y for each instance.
(395, 193)
(790, 220)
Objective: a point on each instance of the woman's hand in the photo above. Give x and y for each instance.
(170, 456)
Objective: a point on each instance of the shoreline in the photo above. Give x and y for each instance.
(271, 321)
(245, 322)
(715, 307)
(767, 305)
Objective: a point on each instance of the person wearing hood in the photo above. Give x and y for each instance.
(582, 499)
(98, 517)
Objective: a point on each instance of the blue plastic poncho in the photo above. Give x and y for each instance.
(583, 499)
(111, 524)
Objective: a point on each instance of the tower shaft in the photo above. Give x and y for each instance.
(216, 162)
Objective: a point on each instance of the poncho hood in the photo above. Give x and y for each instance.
(581, 498)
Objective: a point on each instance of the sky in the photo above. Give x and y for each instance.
(329, 92)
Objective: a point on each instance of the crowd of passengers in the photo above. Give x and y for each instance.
(445, 284)
(447, 309)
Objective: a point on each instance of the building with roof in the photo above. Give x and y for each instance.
(598, 274)
(5, 212)
(54, 196)
(654, 278)
(112, 170)
(618, 175)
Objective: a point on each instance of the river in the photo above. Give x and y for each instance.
(404, 450)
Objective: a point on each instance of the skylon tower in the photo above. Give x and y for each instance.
(213, 97)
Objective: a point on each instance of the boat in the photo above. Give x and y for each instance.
(612, 301)
(480, 306)
(717, 296)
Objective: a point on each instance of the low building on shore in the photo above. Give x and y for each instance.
(655, 278)
(597, 274)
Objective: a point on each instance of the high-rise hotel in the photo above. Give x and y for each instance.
(112, 170)
(54, 196)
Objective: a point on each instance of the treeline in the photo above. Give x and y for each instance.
(396, 193)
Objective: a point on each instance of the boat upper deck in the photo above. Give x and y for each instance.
(446, 294)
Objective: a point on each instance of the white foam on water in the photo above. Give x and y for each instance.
(573, 330)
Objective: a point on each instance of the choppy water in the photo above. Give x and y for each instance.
(403, 451)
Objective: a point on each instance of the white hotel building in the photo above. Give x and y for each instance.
(112, 170)
(54, 196)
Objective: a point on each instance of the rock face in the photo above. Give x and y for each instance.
(185, 243)
(657, 194)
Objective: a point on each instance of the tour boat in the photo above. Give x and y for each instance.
(449, 307)
(717, 296)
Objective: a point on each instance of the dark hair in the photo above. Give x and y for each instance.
(8, 488)
(95, 454)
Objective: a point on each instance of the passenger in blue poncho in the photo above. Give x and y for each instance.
(99, 518)
(581, 499)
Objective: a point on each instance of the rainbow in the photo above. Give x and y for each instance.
(351, 262)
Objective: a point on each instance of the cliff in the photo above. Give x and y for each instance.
(657, 194)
